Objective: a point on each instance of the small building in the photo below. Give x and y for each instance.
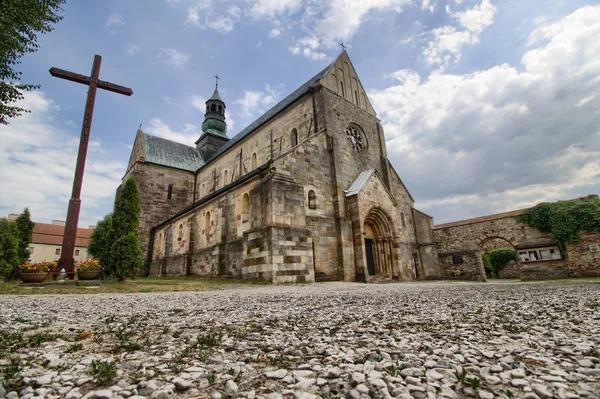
(47, 242)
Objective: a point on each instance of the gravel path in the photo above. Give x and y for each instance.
(333, 340)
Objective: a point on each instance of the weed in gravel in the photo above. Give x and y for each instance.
(74, 348)
(474, 382)
(533, 344)
(126, 347)
(12, 374)
(509, 394)
(177, 310)
(396, 367)
(211, 378)
(20, 320)
(40, 338)
(102, 372)
(10, 342)
(593, 351)
(329, 395)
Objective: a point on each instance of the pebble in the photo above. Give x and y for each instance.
(344, 340)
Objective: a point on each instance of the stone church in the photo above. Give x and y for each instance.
(304, 193)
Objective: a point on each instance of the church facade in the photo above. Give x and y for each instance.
(304, 193)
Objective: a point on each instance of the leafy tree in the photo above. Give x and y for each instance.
(99, 245)
(125, 222)
(127, 257)
(499, 258)
(20, 23)
(9, 249)
(25, 229)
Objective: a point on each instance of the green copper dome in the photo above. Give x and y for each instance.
(214, 118)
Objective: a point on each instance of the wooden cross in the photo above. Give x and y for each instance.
(218, 78)
(66, 260)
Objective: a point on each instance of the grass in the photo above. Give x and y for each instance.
(140, 284)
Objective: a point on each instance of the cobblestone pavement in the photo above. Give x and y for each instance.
(331, 340)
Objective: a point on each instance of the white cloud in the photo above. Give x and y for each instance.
(270, 8)
(220, 23)
(257, 102)
(501, 138)
(199, 103)
(428, 5)
(37, 160)
(133, 49)
(114, 19)
(307, 46)
(186, 134)
(275, 32)
(447, 41)
(174, 58)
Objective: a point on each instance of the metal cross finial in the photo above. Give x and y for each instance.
(217, 77)
(343, 47)
(140, 126)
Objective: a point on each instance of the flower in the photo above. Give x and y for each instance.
(89, 265)
(40, 267)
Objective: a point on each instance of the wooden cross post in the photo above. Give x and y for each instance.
(66, 260)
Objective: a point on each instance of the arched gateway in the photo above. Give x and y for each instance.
(380, 244)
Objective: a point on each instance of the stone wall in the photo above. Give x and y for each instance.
(428, 251)
(582, 261)
(472, 237)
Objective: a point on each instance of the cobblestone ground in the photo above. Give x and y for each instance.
(334, 340)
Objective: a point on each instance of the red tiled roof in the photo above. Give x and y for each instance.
(481, 219)
(52, 234)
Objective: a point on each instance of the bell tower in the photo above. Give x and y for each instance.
(214, 128)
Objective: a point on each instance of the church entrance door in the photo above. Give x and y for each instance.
(370, 258)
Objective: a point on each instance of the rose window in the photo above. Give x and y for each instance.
(356, 138)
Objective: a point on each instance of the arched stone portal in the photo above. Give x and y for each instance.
(488, 244)
(380, 245)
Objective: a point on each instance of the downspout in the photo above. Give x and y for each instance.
(150, 250)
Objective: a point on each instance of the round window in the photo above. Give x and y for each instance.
(356, 138)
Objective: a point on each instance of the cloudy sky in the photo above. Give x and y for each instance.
(487, 105)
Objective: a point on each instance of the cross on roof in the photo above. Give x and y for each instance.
(217, 77)
(342, 44)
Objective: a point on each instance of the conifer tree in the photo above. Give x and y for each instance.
(9, 249)
(99, 245)
(25, 235)
(124, 258)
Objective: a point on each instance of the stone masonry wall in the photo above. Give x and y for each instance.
(583, 262)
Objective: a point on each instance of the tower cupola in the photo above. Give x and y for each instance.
(214, 127)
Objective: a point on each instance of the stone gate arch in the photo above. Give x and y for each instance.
(489, 243)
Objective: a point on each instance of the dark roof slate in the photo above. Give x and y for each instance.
(170, 153)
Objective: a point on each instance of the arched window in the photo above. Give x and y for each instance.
(180, 233)
(245, 206)
(170, 191)
(403, 219)
(254, 161)
(202, 190)
(225, 177)
(213, 108)
(342, 87)
(312, 200)
(220, 109)
(356, 96)
(207, 223)
(294, 137)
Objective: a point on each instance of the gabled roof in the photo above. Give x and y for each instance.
(274, 111)
(361, 181)
(170, 153)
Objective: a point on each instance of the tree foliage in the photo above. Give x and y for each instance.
(123, 231)
(9, 249)
(25, 235)
(20, 23)
(127, 257)
(99, 245)
(499, 258)
(564, 219)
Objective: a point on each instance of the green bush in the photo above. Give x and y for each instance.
(25, 236)
(486, 263)
(99, 246)
(123, 256)
(126, 257)
(499, 258)
(9, 249)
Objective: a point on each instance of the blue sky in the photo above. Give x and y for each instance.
(487, 105)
